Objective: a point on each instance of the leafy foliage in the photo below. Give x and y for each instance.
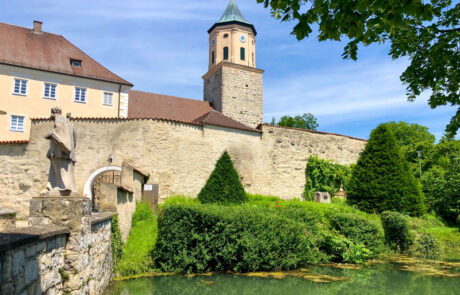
(340, 249)
(446, 200)
(381, 179)
(117, 242)
(203, 238)
(425, 31)
(306, 121)
(397, 231)
(324, 176)
(359, 230)
(412, 138)
(426, 246)
(223, 186)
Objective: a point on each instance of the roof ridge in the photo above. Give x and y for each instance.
(167, 95)
(81, 51)
(29, 29)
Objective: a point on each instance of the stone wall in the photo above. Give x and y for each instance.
(179, 157)
(100, 255)
(32, 260)
(35, 260)
(126, 205)
(236, 91)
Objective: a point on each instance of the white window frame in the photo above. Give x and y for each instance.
(111, 98)
(55, 91)
(20, 87)
(10, 126)
(75, 95)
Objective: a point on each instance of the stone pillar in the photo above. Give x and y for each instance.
(73, 212)
(7, 219)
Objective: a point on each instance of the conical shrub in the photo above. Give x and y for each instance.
(381, 180)
(223, 186)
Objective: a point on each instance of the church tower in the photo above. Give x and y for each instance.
(233, 85)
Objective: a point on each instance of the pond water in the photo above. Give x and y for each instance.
(396, 277)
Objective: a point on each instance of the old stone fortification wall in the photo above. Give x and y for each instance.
(34, 260)
(179, 157)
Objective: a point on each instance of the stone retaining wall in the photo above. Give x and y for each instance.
(34, 260)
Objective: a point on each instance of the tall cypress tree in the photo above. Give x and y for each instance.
(223, 186)
(381, 180)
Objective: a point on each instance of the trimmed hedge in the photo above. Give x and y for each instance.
(204, 238)
(359, 231)
(397, 231)
(223, 186)
(381, 180)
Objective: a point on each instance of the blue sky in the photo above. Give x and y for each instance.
(161, 46)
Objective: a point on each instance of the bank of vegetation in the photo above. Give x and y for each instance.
(226, 229)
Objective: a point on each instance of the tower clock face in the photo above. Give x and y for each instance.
(242, 38)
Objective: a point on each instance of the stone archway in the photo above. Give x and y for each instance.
(88, 188)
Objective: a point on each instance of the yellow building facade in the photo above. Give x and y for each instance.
(72, 81)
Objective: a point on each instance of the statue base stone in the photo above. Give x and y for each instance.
(73, 212)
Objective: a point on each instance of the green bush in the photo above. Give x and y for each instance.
(223, 186)
(340, 249)
(117, 242)
(397, 231)
(203, 238)
(426, 246)
(359, 230)
(381, 179)
(324, 176)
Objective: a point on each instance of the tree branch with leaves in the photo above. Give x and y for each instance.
(427, 32)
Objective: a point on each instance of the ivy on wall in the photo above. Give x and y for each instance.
(117, 242)
(324, 176)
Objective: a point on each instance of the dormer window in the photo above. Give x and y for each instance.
(75, 63)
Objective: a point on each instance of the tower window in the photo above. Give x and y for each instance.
(225, 53)
(225, 36)
(212, 57)
(242, 53)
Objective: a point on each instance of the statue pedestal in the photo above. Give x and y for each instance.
(73, 212)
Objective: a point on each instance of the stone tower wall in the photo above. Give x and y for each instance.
(237, 92)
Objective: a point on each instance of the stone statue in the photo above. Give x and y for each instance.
(61, 154)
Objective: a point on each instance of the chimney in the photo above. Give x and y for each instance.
(37, 27)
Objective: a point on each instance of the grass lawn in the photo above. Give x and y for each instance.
(136, 257)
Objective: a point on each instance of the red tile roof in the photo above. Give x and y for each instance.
(310, 131)
(49, 52)
(145, 104)
(14, 141)
(158, 106)
(218, 119)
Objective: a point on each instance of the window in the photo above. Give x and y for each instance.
(50, 91)
(20, 87)
(108, 98)
(225, 36)
(80, 94)
(212, 57)
(17, 123)
(75, 63)
(242, 53)
(225, 53)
